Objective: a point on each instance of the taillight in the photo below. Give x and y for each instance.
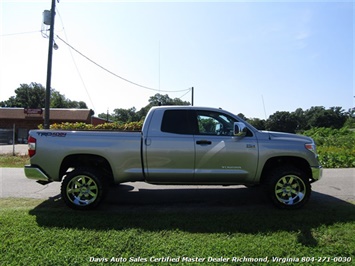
(31, 146)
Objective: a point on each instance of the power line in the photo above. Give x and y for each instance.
(76, 66)
(114, 74)
(184, 94)
(19, 33)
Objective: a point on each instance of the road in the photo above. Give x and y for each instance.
(337, 185)
(20, 149)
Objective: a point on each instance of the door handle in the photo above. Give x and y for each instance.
(147, 142)
(204, 142)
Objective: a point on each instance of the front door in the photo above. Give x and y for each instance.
(220, 156)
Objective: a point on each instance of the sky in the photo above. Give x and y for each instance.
(250, 57)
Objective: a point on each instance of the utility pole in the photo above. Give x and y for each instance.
(49, 69)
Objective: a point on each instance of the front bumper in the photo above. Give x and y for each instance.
(317, 172)
(33, 172)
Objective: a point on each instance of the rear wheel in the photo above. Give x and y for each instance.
(289, 188)
(83, 189)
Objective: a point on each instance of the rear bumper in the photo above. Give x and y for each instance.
(317, 172)
(35, 173)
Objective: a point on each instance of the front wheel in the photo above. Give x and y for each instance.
(289, 188)
(83, 189)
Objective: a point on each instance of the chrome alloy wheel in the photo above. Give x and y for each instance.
(290, 190)
(82, 190)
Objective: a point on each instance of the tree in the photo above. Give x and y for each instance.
(159, 99)
(318, 116)
(27, 96)
(282, 121)
(300, 117)
(131, 115)
(57, 100)
(242, 116)
(77, 105)
(350, 121)
(33, 96)
(257, 123)
(125, 115)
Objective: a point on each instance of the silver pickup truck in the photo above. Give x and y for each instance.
(177, 145)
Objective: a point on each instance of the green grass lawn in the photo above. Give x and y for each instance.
(46, 232)
(37, 232)
(13, 161)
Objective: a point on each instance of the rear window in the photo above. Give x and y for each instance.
(177, 121)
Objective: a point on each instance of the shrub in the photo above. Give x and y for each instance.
(336, 147)
(132, 126)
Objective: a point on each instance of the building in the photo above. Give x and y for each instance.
(23, 120)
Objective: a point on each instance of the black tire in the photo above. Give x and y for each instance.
(83, 189)
(288, 187)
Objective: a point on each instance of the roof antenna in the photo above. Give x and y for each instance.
(262, 98)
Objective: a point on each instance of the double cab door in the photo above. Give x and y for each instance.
(198, 147)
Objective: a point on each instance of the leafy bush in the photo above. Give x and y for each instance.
(336, 147)
(72, 126)
(132, 126)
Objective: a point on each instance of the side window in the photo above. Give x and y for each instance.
(177, 122)
(214, 123)
(207, 125)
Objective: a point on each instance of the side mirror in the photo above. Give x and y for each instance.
(239, 130)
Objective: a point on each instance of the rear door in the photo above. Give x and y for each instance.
(169, 147)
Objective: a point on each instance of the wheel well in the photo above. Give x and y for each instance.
(275, 162)
(99, 163)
